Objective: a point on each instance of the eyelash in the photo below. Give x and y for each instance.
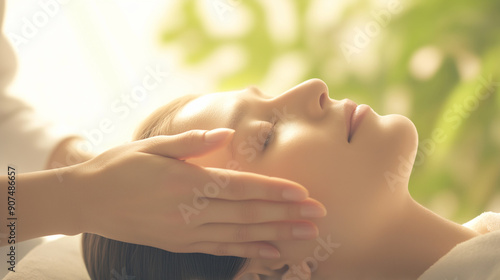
(270, 135)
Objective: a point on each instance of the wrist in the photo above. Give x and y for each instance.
(46, 204)
(77, 193)
(68, 152)
(67, 191)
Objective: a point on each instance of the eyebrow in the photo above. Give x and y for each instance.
(238, 112)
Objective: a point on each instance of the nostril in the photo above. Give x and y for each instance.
(322, 99)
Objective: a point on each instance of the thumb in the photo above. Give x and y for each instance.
(292, 272)
(193, 143)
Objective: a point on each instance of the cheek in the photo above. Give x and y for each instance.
(307, 157)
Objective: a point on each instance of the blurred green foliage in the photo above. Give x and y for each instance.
(437, 62)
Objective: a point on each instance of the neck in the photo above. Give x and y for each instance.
(414, 240)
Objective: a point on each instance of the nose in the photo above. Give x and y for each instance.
(309, 98)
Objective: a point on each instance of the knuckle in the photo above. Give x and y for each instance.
(157, 140)
(242, 233)
(221, 250)
(249, 213)
(175, 174)
(249, 251)
(153, 142)
(283, 232)
(176, 169)
(273, 192)
(292, 210)
(196, 247)
(238, 189)
(191, 137)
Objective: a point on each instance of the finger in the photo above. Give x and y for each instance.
(243, 250)
(188, 144)
(257, 211)
(237, 185)
(236, 233)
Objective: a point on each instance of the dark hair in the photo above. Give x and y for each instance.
(111, 259)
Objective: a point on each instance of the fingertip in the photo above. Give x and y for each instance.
(294, 194)
(217, 135)
(319, 204)
(291, 190)
(269, 253)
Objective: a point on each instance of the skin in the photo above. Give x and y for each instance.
(380, 232)
(132, 192)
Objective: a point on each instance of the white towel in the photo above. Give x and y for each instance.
(474, 259)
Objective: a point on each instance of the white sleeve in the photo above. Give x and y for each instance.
(26, 141)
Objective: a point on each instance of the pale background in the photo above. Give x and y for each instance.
(422, 61)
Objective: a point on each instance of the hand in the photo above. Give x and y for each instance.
(144, 193)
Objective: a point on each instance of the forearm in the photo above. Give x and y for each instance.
(44, 205)
(44, 202)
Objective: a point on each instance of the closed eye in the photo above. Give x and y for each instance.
(270, 134)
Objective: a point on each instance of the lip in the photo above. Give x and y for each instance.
(354, 114)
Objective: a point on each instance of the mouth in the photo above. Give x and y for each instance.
(353, 115)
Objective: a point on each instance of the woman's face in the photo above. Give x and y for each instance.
(357, 167)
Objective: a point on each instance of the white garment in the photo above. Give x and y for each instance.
(477, 258)
(26, 141)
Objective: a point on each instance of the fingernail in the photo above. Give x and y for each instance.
(294, 194)
(303, 231)
(312, 211)
(217, 135)
(269, 253)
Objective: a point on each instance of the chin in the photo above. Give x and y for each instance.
(392, 131)
(401, 144)
(388, 141)
(405, 132)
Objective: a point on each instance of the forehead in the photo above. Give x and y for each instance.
(207, 111)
